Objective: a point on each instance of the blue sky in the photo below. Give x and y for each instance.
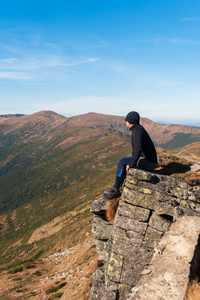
(110, 57)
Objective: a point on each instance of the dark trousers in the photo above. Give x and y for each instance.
(143, 163)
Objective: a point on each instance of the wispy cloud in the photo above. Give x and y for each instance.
(190, 19)
(182, 42)
(43, 61)
(128, 43)
(15, 75)
(170, 83)
(81, 62)
(8, 48)
(37, 67)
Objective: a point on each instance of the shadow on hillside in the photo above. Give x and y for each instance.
(173, 168)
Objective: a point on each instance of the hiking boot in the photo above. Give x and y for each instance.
(112, 193)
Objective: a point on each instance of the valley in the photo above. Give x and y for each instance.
(51, 169)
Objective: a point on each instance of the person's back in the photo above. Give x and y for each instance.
(142, 145)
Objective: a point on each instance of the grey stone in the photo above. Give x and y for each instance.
(115, 267)
(144, 176)
(130, 224)
(149, 206)
(98, 287)
(169, 269)
(195, 167)
(98, 206)
(124, 291)
(126, 247)
(101, 250)
(111, 290)
(159, 223)
(152, 236)
(133, 212)
(101, 229)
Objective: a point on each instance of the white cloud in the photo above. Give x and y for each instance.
(81, 62)
(182, 42)
(8, 60)
(9, 48)
(190, 19)
(15, 75)
(41, 67)
(42, 61)
(170, 83)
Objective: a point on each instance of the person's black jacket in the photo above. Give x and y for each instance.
(142, 145)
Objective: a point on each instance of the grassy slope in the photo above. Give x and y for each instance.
(73, 224)
(52, 181)
(179, 139)
(48, 176)
(35, 169)
(191, 151)
(165, 136)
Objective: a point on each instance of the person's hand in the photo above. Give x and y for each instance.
(127, 169)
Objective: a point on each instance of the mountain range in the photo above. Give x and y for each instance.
(51, 169)
(165, 136)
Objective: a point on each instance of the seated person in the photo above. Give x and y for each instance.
(143, 154)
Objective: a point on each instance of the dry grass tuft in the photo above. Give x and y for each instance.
(88, 282)
(86, 289)
(192, 178)
(193, 291)
(111, 209)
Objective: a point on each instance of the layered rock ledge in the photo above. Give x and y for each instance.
(150, 203)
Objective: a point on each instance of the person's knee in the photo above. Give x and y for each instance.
(120, 162)
(123, 161)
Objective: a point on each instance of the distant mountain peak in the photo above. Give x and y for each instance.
(163, 135)
(47, 113)
(49, 119)
(12, 116)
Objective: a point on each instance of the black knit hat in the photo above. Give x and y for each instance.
(133, 117)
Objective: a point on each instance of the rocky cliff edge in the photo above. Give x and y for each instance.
(150, 203)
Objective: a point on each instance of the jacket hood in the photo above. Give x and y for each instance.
(133, 117)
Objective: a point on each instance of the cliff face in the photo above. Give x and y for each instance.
(176, 258)
(150, 203)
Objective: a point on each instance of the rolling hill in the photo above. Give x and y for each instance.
(164, 136)
(51, 169)
(49, 175)
(191, 151)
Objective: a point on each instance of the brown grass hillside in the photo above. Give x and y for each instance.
(180, 166)
(49, 250)
(160, 133)
(67, 266)
(47, 118)
(191, 152)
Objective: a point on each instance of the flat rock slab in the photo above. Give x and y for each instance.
(98, 206)
(195, 167)
(167, 276)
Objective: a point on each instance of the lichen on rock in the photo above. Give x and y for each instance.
(150, 203)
